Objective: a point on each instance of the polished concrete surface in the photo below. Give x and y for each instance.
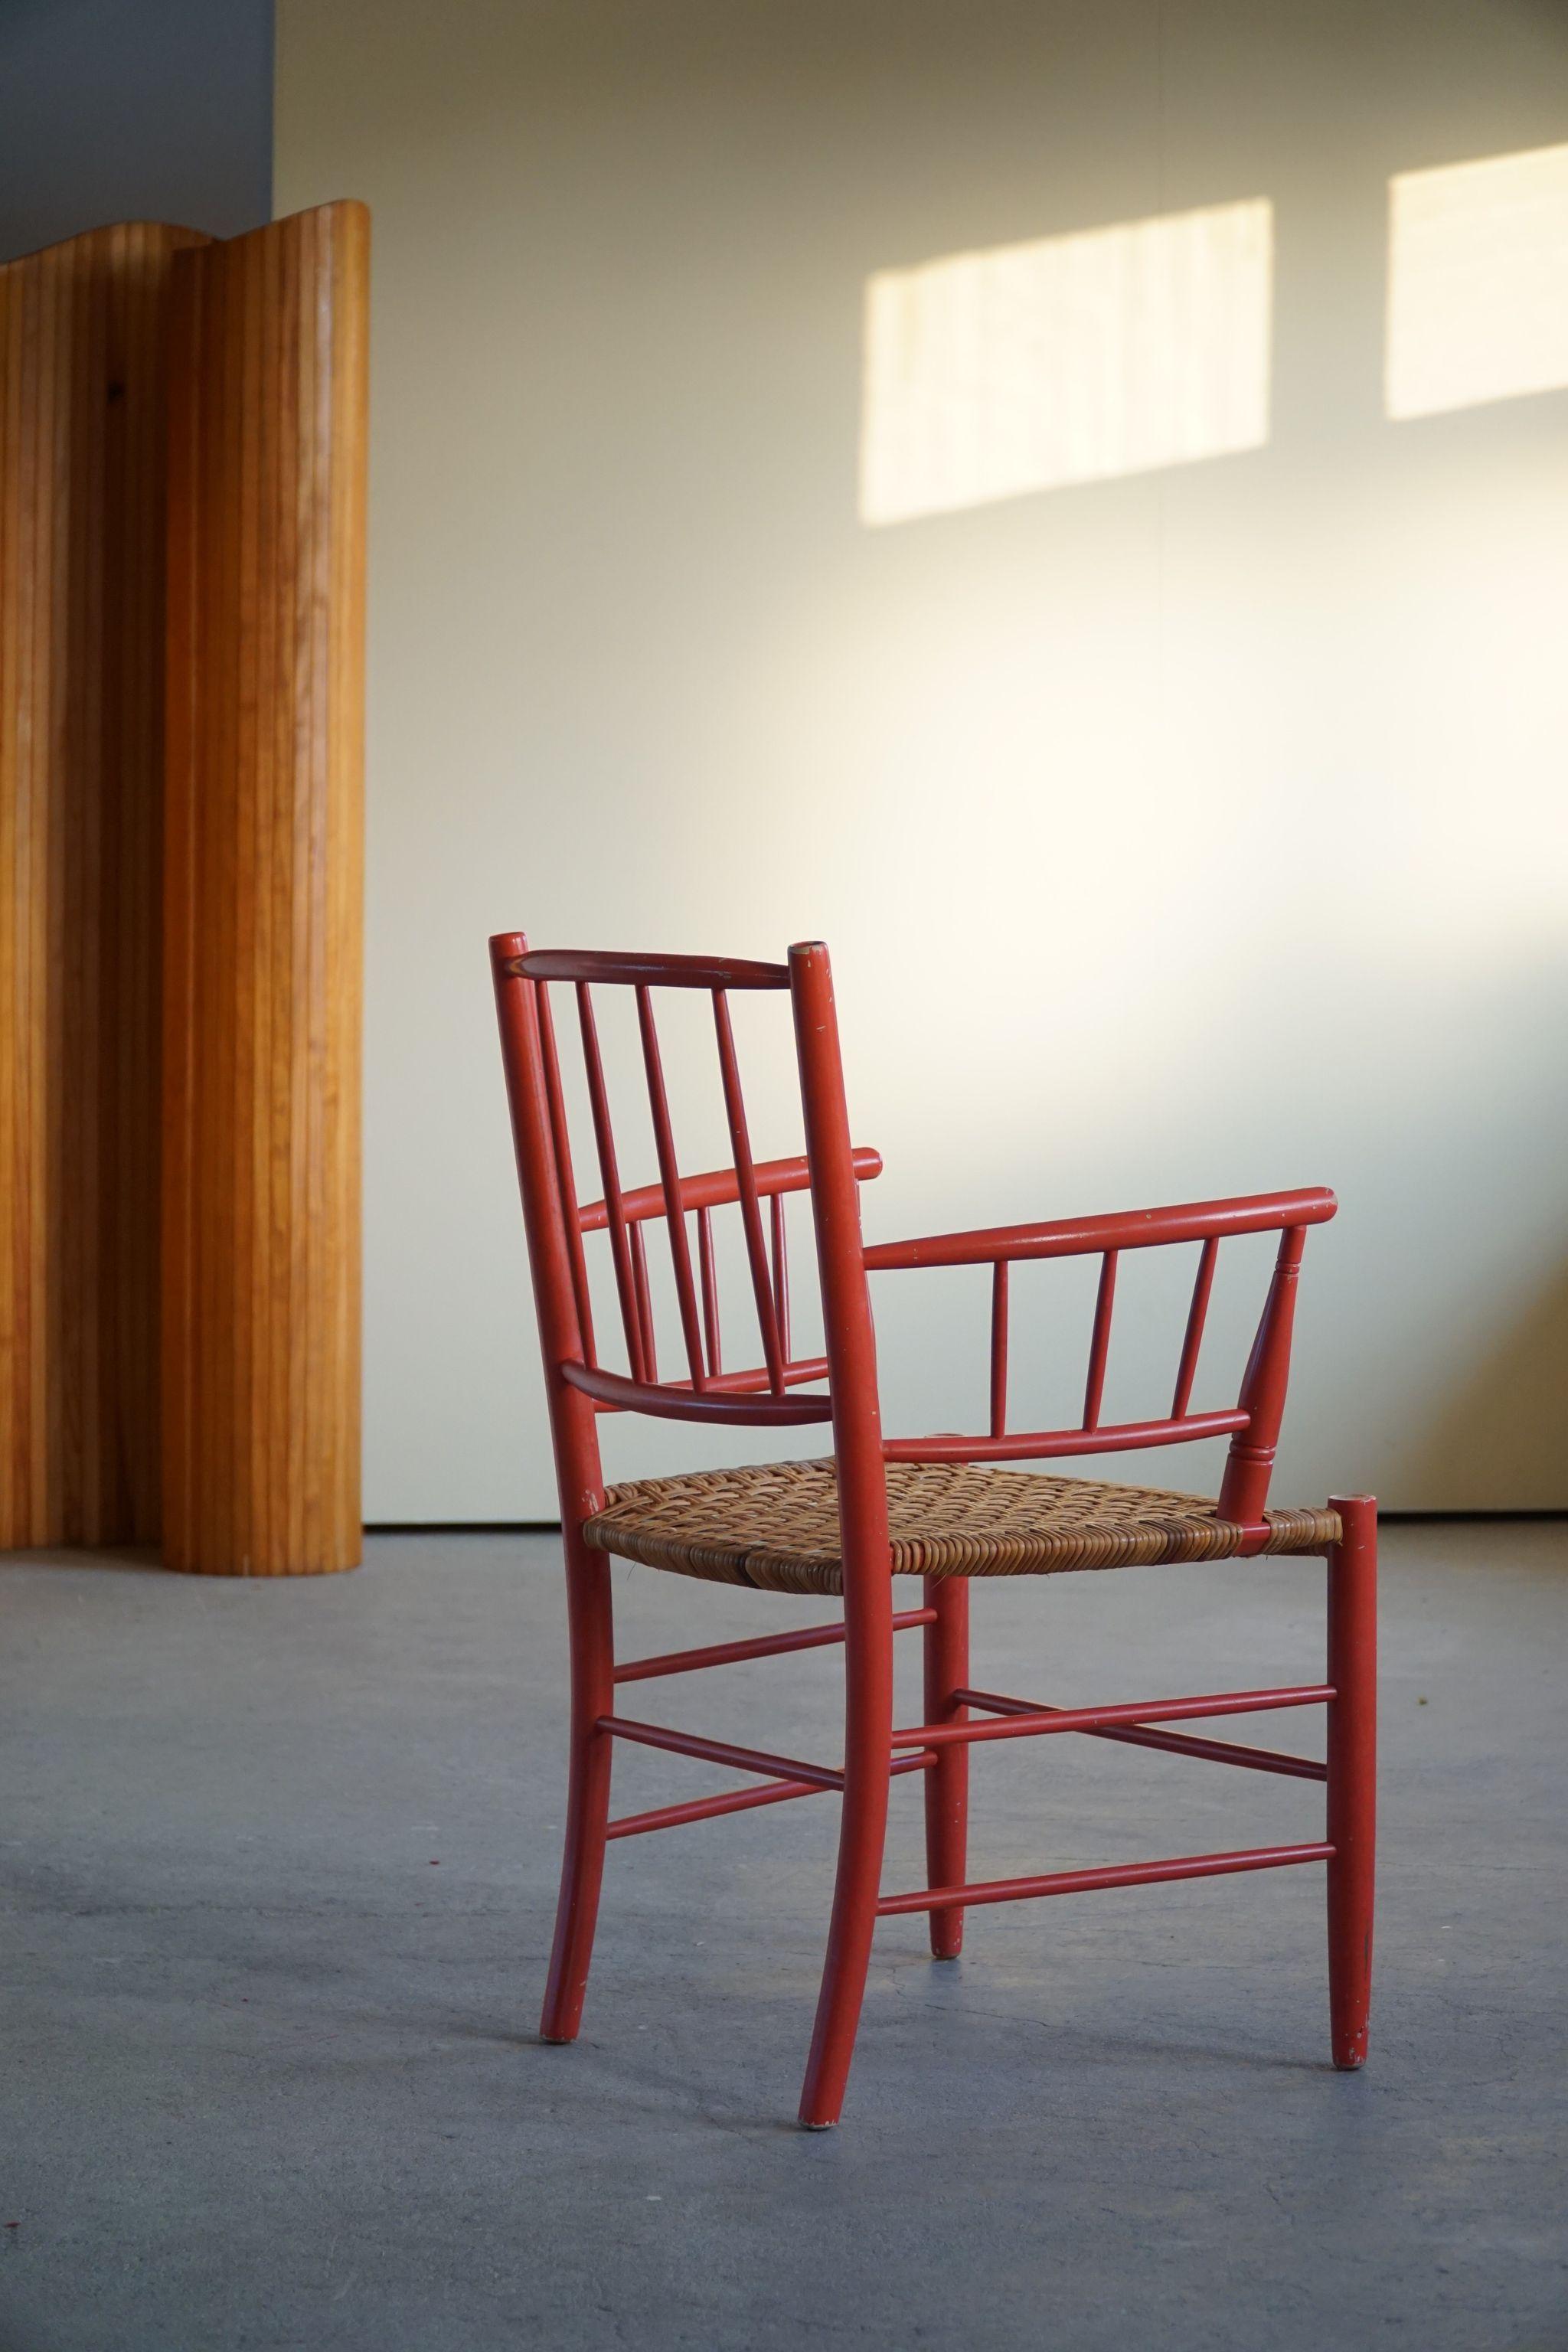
(278, 1866)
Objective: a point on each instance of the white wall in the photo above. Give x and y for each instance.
(1200, 830)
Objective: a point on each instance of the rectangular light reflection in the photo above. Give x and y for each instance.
(1071, 359)
(1477, 282)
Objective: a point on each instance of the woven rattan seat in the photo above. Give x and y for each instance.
(776, 1528)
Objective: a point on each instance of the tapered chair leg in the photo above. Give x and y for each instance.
(588, 1788)
(947, 1780)
(867, 1756)
(1352, 1776)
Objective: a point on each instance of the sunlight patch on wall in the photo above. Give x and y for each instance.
(1071, 359)
(1477, 282)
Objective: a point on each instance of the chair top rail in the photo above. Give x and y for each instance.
(1131, 1229)
(717, 1187)
(647, 970)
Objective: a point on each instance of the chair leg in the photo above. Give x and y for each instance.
(868, 1758)
(947, 1780)
(1352, 1776)
(588, 1788)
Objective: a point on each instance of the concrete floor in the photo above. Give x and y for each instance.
(278, 1863)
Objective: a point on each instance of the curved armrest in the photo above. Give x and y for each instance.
(720, 1186)
(1194, 1221)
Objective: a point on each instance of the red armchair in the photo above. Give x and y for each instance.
(935, 1506)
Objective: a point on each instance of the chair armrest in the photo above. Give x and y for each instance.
(1194, 1221)
(719, 1186)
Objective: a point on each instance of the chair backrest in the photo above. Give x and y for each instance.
(777, 1389)
(698, 1387)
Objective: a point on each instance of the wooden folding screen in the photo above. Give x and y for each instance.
(182, 484)
(83, 419)
(262, 951)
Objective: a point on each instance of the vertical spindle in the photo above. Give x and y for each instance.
(781, 1272)
(643, 1301)
(669, 1179)
(999, 1348)
(1244, 1490)
(561, 1141)
(709, 1274)
(1100, 1345)
(746, 1180)
(609, 1173)
(1194, 1339)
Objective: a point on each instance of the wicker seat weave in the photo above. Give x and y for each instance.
(776, 1527)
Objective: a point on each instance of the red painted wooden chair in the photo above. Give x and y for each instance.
(885, 1506)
